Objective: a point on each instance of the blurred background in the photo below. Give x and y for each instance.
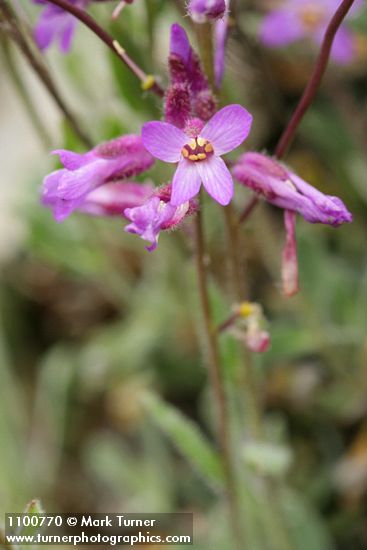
(102, 382)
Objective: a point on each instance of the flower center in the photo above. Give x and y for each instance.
(311, 16)
(197, 149)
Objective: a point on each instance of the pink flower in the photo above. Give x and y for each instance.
(277, 184)
(67, 189)
(295, 20)
(156, 215)
(198, 152)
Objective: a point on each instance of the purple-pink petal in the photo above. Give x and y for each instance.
(228, 128)
(281, 27)
(216, 179)
(163, 140)
(179, 43)
(186, 182)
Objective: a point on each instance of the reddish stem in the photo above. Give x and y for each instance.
(315, 79)
(113, 44)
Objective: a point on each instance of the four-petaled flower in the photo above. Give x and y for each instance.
(157, 214)
(295, 20)
(198, 152)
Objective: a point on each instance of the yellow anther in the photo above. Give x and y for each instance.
(208, 148)
(193, 157)
(246, 309)
(185, 152)
(149, 82)
(192, 144)
(201, 156)
(201, 141)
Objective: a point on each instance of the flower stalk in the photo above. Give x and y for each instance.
(216, 378)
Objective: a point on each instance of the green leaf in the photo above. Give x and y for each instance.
(187, 438)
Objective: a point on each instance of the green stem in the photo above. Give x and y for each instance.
(205, 41)
(273, 520)
(216, 380)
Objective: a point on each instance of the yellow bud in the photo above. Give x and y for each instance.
(149, 82)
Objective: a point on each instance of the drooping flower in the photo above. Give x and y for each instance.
(280, 186)
(198, 152)
(295, 20)
(67, 189)
(202, 11)
(283, 188)
(56, 25)
(157, 214)
(189, 93)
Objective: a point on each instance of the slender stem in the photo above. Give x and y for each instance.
(215, 376)
(315, 79)
(239, 291)
(309, 93)
(13, 28)
(148, 82)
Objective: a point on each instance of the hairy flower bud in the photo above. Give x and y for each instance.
(202, 11)
(177, 105)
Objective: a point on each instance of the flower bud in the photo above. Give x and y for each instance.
(202, 11)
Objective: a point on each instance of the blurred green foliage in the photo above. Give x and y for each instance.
(104, 403)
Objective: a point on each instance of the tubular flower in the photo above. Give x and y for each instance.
(67, 189)
(189, 93)
(202, 11)
(198, 152)
(282, 188)
(157, 214)
(56, 25)
(295, 20)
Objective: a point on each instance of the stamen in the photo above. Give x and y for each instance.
(197, 149)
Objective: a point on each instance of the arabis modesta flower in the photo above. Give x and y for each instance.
(198, 152)
(283, 188)
(66, 190)
(294, 20)
(156, 215)
(280, 186)
(56, 25)
(205, 10)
